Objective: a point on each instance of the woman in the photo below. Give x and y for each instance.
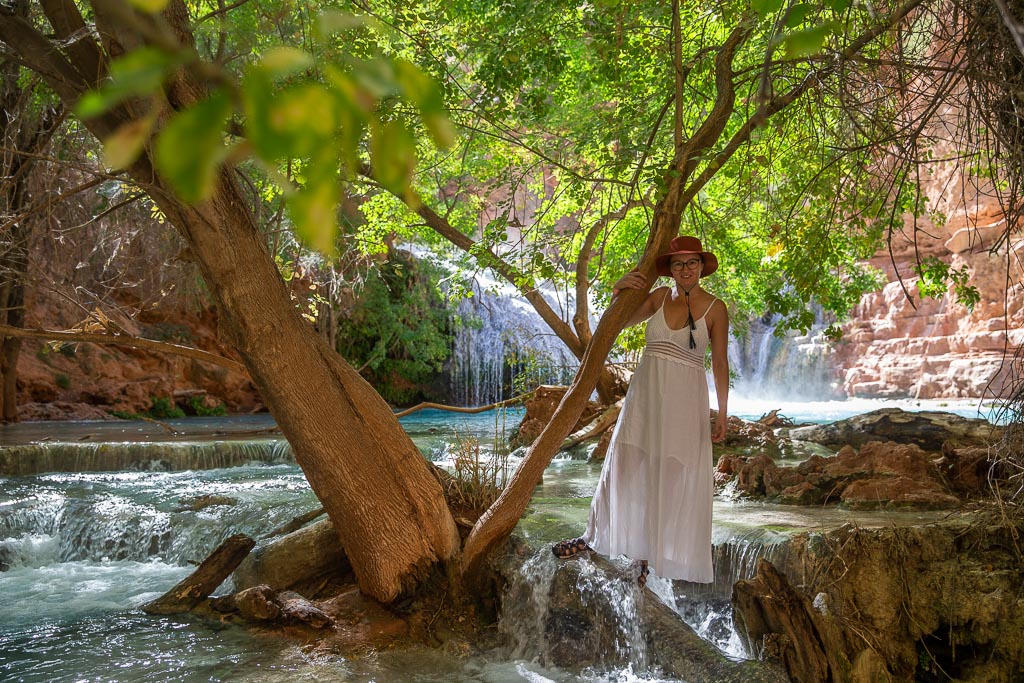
(653, 501)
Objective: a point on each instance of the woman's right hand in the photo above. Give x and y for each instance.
(634, 279)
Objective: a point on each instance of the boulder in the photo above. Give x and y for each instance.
(301, 558)
(927, 429)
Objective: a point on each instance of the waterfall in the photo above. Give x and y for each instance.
(164, 456)
(501, 345)
(790, 367)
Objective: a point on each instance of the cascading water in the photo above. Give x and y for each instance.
(792, 367)
(501, 343)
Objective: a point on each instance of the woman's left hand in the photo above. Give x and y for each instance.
(721, 427)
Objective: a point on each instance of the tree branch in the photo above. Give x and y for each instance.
(124, 340)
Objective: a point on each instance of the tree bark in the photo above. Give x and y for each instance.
(388, 509)
(25, 131)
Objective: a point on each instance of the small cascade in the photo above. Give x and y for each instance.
(164, 456)
(707, 607)
(175, 518)
(792, 366)
(502, 343)
(569, 612)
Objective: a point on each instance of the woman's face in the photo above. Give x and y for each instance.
(686, 268)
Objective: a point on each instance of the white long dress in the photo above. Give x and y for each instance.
(653, 500)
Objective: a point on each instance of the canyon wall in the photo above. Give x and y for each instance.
(919, 347)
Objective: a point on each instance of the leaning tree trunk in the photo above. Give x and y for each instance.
(388, 509)
(499, 520)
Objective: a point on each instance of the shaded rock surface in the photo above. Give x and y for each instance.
(928, 602)
(927, 429)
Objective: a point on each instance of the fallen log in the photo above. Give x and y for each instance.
(594, 428)
(196, 587)
(295, 524)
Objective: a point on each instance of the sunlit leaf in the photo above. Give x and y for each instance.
(425, 93)
(393, 156)
(126, 143)
(150, 6)
(190, 148)
(313, 210)
(335, 21)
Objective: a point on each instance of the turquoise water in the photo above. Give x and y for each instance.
(81, 552)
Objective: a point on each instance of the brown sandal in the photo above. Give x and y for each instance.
(563, 550)
(645, 571)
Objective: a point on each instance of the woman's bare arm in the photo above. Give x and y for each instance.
(718, 330)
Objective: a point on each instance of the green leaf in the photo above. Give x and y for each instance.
(765, 7)
(335, 21)
(304, 119)
(313, 211)
(140, 72)
(838, 6)
(149, 6)
(126, 143)
(808, 41)
(393, 156)
(797, 14)
(425, 93)
(190, 148)
(285, 61)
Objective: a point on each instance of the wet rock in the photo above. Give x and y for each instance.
(257, 603)
(876, 475)
(748, 438)
(297, 609)
(588, 612)
(202, 502)
(927, 429)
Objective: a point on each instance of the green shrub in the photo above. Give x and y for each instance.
(164, 408)
(63, 381)
(200, 408)
(125, 415)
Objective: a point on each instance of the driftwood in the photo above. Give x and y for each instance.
(455, 409)
(594, 428)
(777, 622)
(205, 579)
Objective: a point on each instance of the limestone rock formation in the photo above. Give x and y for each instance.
(927, 429)
(932, 602)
